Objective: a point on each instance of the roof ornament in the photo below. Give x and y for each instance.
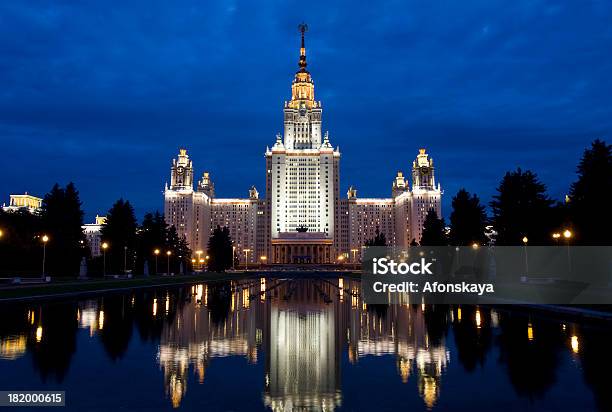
(303, 28)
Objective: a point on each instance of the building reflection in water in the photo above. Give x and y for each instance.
(199, 333)
(301, 329)
(303, 325)
(401, 331)
(303, 348)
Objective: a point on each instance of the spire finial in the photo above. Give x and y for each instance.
(303, 28)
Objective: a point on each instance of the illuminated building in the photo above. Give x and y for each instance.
(25, 202)
(301, 218)
(93, 234)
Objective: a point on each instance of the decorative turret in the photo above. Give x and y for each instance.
(399, 184)
(206, 185)
(253, 193)
(423, 177)
(351, 193)
(181, 172)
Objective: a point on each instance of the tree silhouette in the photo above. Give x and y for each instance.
(120, 232)
(152, 235)
(588, 209)
(379, 239)
(468, 220)
(220, 250)
(433, 230)
(20, 248)
(62, 221)
(522, 208)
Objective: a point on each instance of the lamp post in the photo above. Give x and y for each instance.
(354, 251)
(556, 237)
(525, 240)
(199, 253)
(233, 257)
(168, 253)
(125, 260)
(567, 234)
(1, 233)
(156, 253)
(104, 247)
(246, 258)
(45, 239)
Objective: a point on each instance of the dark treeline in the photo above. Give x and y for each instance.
(130, 246)
(522, 211)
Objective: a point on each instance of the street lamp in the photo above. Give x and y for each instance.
(104, 247)
(156, 253)
(199, 253)
(246, 258)
(168, 253)
(125, 260)
(233, 256)
(1, 233)
(263, 259)
(567, 234)
(525, 240)
(45, 239)
(354, 255)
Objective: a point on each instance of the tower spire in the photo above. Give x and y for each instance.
(303, 28)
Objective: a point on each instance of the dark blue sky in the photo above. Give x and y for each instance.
(104, 94)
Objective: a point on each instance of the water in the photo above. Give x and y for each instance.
(301, 344)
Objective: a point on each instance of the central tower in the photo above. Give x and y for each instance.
(302, 179)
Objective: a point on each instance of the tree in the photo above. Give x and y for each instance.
(20, 246)
(152, 234)
(220, 250)
(522, 208)
(62, 221)
(378, 240)
(119, 231)
(589, 211)
(468, 220)
(433, 230)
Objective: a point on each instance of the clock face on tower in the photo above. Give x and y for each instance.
(302, 109)
(180, 170)
(424, 170)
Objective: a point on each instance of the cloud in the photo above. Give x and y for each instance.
(88, 88)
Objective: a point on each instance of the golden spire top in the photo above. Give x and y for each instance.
(303, 28)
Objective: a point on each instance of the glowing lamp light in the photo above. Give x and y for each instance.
(525, 240)
(104, 245)
(475, 245)
(156, 252)
(45, 238)
(575, 344)
(168, 253)
(567, 234)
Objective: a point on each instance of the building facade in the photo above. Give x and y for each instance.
(24, 202)
(301, 218)
(93, 234)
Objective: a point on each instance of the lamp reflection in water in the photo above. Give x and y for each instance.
(575, 344)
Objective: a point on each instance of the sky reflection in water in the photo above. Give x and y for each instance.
(298, 344)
